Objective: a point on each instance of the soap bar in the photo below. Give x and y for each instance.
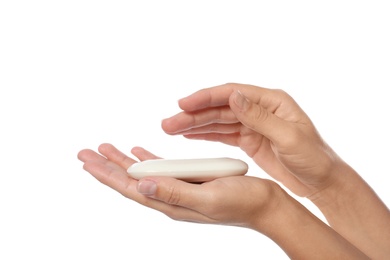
(191, 170)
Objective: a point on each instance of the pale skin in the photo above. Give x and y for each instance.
(262, 205)
(274, 131)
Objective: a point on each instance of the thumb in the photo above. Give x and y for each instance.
(258, 118)
(172, 191)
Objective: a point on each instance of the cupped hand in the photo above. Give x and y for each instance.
(265, 123)
(241, 201)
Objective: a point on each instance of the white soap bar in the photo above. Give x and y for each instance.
(191, 170)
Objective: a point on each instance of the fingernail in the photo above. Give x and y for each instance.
(241, 101)
(147, 187)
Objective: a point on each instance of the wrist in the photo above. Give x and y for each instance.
(339, 188)
(296, 230)
(353, 209)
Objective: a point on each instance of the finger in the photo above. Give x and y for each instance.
(214, 128)
(258, 118)
(185, 121)
(143, 154)
(116, 177)
(174, 192)
(90, 155)
(113, 176)
(116, 156)
(217, 96)
(229, 139)
(177, 199)
(208, 97)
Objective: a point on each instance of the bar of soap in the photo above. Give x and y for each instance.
(191, 170)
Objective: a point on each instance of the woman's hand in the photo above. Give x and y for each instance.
(268, 125)
(240, 201)
(277, 134)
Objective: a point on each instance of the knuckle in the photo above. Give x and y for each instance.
(173, 196)
(258, 115)
(280, 92)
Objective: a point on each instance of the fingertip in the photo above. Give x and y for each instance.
(83, 154)
(105, 147)
(168, 125)
(195, 101)
(238, 100)
(80, 154)
(86, 165)
(181, 102)
(184, 102)
(137, 150)
(142, 154)
(165, 124)
(90, 166)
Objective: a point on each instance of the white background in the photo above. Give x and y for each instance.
(74, 74)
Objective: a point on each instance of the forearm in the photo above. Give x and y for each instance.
(354, 210)
(302, 235)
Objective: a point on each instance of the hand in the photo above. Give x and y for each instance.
(277, 134)
(241, 201)
(211, 202)
(268, 125)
